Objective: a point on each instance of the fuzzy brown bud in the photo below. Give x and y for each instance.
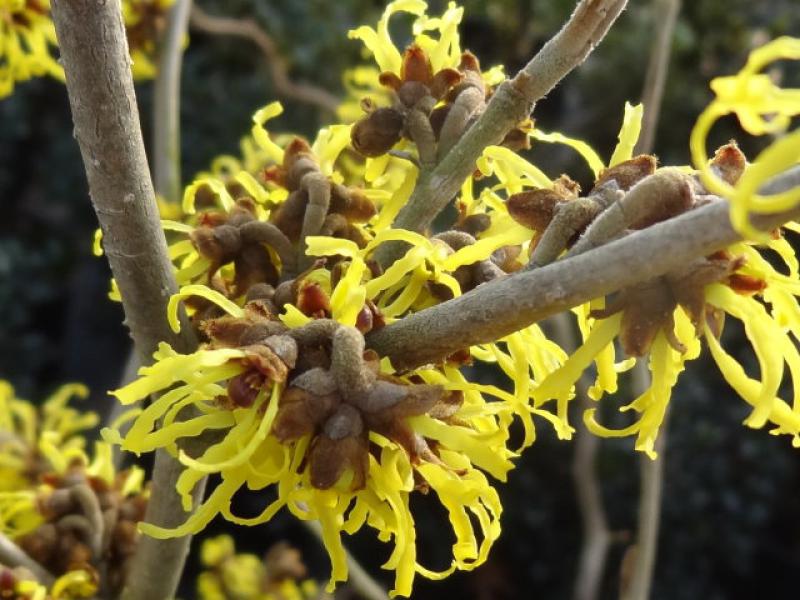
(629, 172)
(375, 134)
(534, 208)
(729, 162)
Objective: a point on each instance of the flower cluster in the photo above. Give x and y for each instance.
(762, 108)
(28, 39)
(145, 21)
(276, 253)
(27, 43)
(20, 584)
(280, 575)
(74, 515)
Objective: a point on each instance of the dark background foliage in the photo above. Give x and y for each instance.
(729, 526)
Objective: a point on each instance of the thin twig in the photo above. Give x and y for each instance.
(510, 104)
(501, 307)
(665, 17)
(249, 29)
(596, 535)
(13, 556)
(651, 472)
(640, 577)
(94, 52)
(166, 104)
(358, 578)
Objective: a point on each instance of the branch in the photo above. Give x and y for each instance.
(651, 472)
(511, 103)
(501, 307)
(249, 29)
(13, 556)
(665, 17)
(596, 536)
(166, 104)
(94, 52)
(637, 587)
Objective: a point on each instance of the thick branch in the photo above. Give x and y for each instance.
(510, 104)
(166, 104)
(13, 556)
(94, 51)
(249, 29)
(499, 308)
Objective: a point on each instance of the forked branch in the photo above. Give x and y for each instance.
(501, 307)
(94, 52)
(512, 103)
(250, 30)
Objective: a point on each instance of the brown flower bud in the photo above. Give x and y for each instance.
(474, 224)
(328, 460)
(444, 81)
(658, 197)
(747, 285)
(364, 319)
(300, 413)
(266, 362)
(344, 422)
(352, 204)
(375, 134)
(534, 208)
(312, 300)
(244, 388)
(729, 162)
(416, 66)
(629, 172)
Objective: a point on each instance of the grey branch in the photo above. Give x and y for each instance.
(510, 104)
(94, 52)
(249, 29)
(501, 307)
(166, 104)
(596, 537)
(13, 556)
(636, 585)
(665, 17)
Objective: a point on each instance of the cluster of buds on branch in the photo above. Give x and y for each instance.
(432, 110)
(282, 284)
(29, 44)
(75, 516)
(287, 287)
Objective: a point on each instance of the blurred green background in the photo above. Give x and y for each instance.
(730, 528)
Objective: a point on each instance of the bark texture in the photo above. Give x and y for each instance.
(94, 52)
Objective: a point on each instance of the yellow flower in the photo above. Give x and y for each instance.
(762, 108)
(238, 576)
(667, 317)
(443, 52)
(33, 439)
(354, 460)
(27, 42)
(144, 23)
(50, 486)
(75, 584)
